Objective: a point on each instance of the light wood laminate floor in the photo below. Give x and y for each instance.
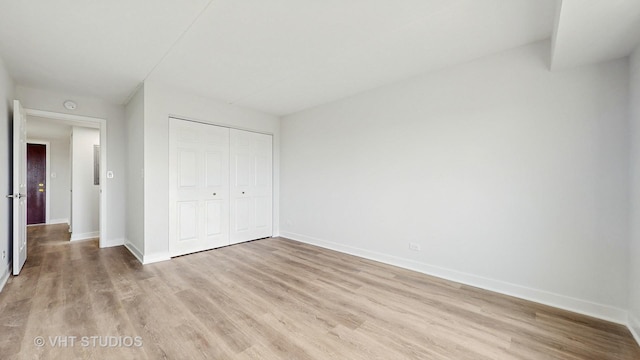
(272, 299)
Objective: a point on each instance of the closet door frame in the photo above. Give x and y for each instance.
(231, 128)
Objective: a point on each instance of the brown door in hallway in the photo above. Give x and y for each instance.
(36, 183)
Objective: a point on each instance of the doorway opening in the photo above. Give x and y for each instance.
(38, 189)
(74, 187)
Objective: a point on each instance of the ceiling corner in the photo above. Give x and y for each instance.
(555, 34)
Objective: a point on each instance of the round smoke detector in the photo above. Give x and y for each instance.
(70, 105)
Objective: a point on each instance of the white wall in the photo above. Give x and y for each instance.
(60, 186)
(6, 121)
(116, 148)
(634, 249)
(85, 196)
(134, 113)
(508, 176)
(160, 102)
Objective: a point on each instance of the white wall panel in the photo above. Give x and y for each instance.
(85, 195)
(6, 108)
(634, 248)
(134, 139)
(507, 175)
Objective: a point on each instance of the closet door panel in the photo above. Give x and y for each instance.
(242, 216)
(187, 221)
(251, 185)
(198, 186)
(215, 193)
(214, 217)
(187, 168)
(243, 169)
(263, 213)
(215, 169)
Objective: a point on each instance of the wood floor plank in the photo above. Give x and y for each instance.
(274, 299)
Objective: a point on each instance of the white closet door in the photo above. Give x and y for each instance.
(251, 186)
(198, 187)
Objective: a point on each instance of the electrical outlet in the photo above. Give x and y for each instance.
(414, 246)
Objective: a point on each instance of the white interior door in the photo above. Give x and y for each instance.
(251, 186)
(19, 187)
(198, 187)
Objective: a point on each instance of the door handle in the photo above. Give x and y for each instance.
(16, 196)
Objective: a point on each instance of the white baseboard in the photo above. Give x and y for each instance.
(85, 236)
(58, 221)
(154, 258)
(580, 306)
(634, 327)
(134, 250)
(111, 243)
(146, 259)
(5, 276)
